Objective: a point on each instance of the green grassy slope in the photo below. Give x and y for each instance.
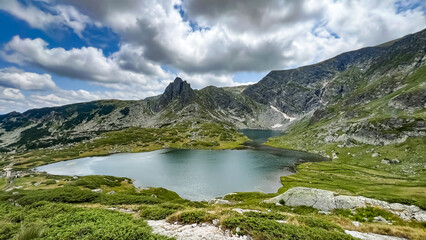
(185, 135)
(357, 167)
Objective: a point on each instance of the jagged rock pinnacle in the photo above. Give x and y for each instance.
(177, 90)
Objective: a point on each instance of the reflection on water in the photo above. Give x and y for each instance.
(195, 174)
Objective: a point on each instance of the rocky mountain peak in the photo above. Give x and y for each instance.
(179, 90)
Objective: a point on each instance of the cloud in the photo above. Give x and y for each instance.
(228, 36)
(51, 17)
(86, 63)
(11, 94)
(204, 41)
(19, 79)
(252, 15)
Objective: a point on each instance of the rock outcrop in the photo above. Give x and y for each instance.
(328, 201)
(177, 90)
(194, 231)
(371, 236)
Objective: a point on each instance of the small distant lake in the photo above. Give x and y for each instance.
(196, 174)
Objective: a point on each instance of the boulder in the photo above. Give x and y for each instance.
(385, 161)
(220, 201)
(327, 201)
(302, 196)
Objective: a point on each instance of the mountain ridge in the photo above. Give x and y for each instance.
(281, 96)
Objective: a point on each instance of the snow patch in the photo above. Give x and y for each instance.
(284, 115)
(277, 125)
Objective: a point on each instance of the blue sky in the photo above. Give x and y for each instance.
(55, 52)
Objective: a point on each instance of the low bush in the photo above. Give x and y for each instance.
(44, 220)
(156, 212)
(60, 195)
(49, 182)
(193, 216)
(122, 198)
(367, 214)
(319, 223)
(261, 228)
(95, 181)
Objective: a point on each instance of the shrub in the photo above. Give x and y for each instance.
(64, 195)
(304, 210)
(193, 216)
(156, 212)
(319, 223)
(161, 193)
(368, 214)
(261, 228)
(119, 198)
(272, 215)
(50, 182)
(31, 231)
(95, 181)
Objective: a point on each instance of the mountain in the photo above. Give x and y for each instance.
(178, 90)
(380, 83)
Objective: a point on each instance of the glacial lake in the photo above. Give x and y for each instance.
(196, 174)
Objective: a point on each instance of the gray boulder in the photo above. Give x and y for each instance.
(327, 201)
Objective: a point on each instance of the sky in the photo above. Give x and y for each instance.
(56, 52)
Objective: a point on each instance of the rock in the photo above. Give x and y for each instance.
(98, 190)
(385, 161)
(334, 156)
(324, 212)
(37, 183)
(111, 192)
(302, 196)
(194, 225)
(328, 201)
(356, 223)
(75, 177)
(220, 201)
(278, 204)
(394, 161)
(381, 219)
(154, 196)
(371, 236)
(177, 90)
(215, 222)
(241, 211)
(237, 229)
(188, 232)
(374, 154)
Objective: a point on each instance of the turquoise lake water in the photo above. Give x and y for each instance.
(196, 174)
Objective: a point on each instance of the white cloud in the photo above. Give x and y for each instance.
(19, 79)
(85, 63)
(250, 35)
(58, 16)
(212, 42)
(11, 94)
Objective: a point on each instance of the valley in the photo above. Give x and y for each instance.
(363, 110)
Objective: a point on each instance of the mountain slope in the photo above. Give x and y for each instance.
(322, 91)
(375, 134)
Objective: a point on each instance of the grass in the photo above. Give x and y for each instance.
(202, 136)
(64, 221)
(73, 211)
(355, 171)
(366, 176)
